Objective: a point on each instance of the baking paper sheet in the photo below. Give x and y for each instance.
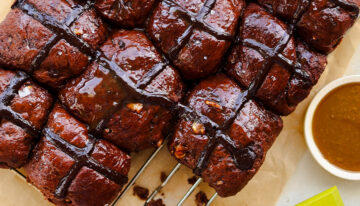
(264, 189)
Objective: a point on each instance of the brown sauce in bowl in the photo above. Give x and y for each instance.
(336, 127)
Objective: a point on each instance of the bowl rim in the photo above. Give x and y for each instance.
(314, 150)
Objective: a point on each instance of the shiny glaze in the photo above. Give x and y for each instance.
(53, 55)
(274, 49)
(277, 42)
(138, 130)
(23, 110)
(286, 9)
(93, 96)
(70, 156)
(134, 53)
(59, 9)
(5, 99)
(195, 37)
(15, 145)
(62, 62)
(320, 23)
(97, 97)
(252, 133)
(246, 157)
(180, 107)
(82, 158)
(332, 18)
(55, 26)
(278, 56)
(129, 13)
(64, 32)
(27, 28)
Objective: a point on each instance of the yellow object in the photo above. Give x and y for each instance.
(330, 197)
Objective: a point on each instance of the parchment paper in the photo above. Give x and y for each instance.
(263, 189)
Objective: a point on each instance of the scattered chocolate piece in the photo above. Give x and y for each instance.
(163, 176)
(157, 202)
(192, 180)
(201, 199)
(141, 192)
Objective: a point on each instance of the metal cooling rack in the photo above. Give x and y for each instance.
(158, 189)
(143, 168)
(162, 185)
(56, 27)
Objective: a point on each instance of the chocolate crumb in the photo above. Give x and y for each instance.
(157, 202)
(192, 180)
(163, 176)
(201, 199)
(141, 192)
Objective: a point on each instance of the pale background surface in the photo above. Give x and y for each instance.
(288, 176)
(309, 178)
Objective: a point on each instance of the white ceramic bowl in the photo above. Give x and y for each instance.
(337, 171)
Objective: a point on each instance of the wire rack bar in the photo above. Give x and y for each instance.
(158, 189)
(190, 191)
(212, 198)
(137, 175)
